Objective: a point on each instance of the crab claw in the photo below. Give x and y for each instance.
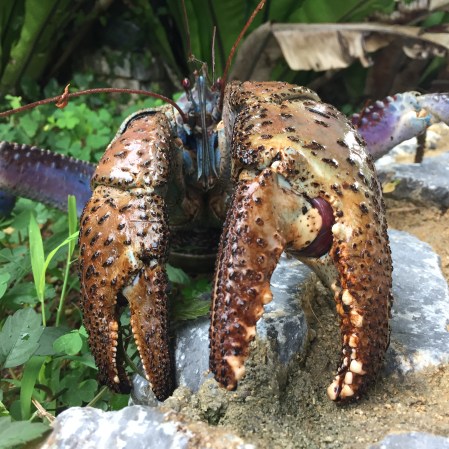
(389, 122)
(307, 187)
(256, 232)
(123, 250)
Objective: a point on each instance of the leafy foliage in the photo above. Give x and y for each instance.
(13, 433)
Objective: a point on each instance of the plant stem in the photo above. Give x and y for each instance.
(64, 289)
(100, 394)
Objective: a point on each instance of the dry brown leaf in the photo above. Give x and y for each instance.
(329, 46)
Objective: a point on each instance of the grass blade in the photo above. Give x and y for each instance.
(30, 375)
(37, 261)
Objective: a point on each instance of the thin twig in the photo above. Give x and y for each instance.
(41, 412)
(61, 100)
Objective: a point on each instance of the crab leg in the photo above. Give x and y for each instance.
(123, 249)
(304, 184)
(44, 176)
(389, 122)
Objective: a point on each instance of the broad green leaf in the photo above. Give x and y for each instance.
(118, 401)
(78, 391)
(13, 433)
(87, 389)
(4, 278)
(29, 377)
(189, 310)
(176, 275)
(29, 126)
(19, 337)
(48, 337)
(69, 344)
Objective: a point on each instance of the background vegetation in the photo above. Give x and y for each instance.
(45, 363)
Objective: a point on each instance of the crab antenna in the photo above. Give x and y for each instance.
(234, 47)
(213, 54)
(186, 24)
(62, 100)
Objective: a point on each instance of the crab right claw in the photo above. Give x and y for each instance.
(304, 185)
(400, 117)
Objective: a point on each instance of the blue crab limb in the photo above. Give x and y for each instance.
(44, 176)
(388, 122)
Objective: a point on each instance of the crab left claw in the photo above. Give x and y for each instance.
(123, 249)
(388, 122)
(304, 184)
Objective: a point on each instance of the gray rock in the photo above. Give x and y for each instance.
(412, 440)
(135, 427)
(283, 327)
(122, 66)
(284, 324)
(192, 353)
(420, 333)
(424, 183)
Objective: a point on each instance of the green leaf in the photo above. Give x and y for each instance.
(13, 433)
(29, 377)
(48, 337)
(194, 302)
(37, 256)
(87, 389)
(176, 275)
(73, 221)
(4, 278)
(29, 125)
(3, 410)
(69, 344)
(118, 401)
(19, 338)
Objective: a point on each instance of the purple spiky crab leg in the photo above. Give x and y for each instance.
(123, 250)
(386, 123)
(44, 176)
(304, 184)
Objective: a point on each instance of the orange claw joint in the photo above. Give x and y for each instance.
(304, 184)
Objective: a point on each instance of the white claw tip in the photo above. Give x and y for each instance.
(332, 390)
(346, 392)
(357, 367)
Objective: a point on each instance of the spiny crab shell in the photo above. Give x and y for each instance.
(291, 151)
(293, 176)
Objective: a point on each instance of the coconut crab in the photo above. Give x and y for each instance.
(284, 171)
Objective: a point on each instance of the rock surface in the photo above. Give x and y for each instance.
(412, 440)
(424, 183)
(420, 324)
(135, 427)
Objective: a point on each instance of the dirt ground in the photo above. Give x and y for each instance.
(301, 415)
